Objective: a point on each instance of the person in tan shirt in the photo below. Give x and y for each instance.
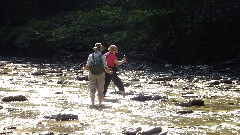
(96, 82)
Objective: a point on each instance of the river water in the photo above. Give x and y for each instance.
(62, 89)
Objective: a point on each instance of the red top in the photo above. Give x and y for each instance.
(110, 57)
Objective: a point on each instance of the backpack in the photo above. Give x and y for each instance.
(96, 65)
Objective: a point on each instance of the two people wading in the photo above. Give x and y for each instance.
(102, 69)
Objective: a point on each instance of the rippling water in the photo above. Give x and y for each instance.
(46, 97)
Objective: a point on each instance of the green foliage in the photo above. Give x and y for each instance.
(111, 25)
(183, 29)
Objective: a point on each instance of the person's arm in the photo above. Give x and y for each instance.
(108, 70)
(120, 62)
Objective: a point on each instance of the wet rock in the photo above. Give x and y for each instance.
(126, 84)
(157, 97)
(50, 117)
(60, 82)
(82, 78)
(234, 89)
(11, 128)
(184, 104)
(226, 81)
(156, 130)
(142, 98)
(37, 73)
(132, 131)
(191, 103)
(54, 71)
(197, 103)
(3, 63)
(58, 92)
(3, 72)
(126, 93)
(152, 82)
(137, 85)
(214, 83)
(5, 132)
(14, 98)
(185, 111)
(46, 133)
(62, 117)
(190, 95)
(162, 79)
(190, 92)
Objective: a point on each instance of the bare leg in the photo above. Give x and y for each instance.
(100, 99)
(123, 93)
(92, 96)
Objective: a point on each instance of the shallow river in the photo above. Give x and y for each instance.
(60, 87)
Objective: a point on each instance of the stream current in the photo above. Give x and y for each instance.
(62, 88)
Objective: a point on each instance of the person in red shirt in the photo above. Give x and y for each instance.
(112, 62)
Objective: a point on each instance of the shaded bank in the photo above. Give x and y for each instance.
(175, 31)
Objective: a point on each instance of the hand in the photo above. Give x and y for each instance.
(124, 59)
(110, 72)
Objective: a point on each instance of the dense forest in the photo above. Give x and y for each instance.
(178, 31)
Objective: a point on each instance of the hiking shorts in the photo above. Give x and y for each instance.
(96, 83)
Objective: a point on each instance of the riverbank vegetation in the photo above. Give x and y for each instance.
(185, 31)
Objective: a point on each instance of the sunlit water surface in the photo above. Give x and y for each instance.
(46, 97)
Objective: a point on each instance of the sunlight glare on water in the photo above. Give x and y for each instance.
(49, 97)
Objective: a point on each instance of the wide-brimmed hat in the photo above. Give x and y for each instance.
(112, 48)
(98, 47)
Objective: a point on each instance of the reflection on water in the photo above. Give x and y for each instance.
(57, 91)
